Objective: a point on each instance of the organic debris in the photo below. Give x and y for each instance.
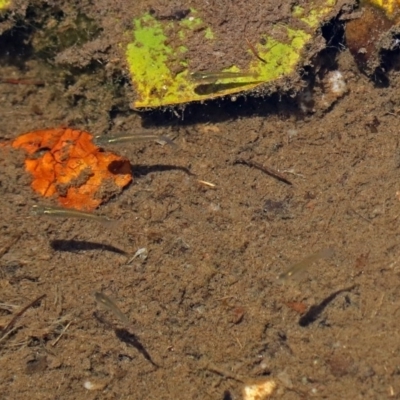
(268, 170)
(390, 7)
(299, 307)
(159, 54)
(361, 260)
(373, 31)
(22, 81)
(10, 325)
(259, 391)
(72, 168)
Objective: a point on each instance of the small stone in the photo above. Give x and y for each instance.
(94, 385)
(259, 391)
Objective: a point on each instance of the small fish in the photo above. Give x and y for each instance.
(69, 213)
(101, 140)
(295, 269)
(110, 305)
(207, 77)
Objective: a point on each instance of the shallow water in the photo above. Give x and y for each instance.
(207, 294)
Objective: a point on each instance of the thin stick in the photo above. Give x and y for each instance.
(240, 344)
(22, 81)
(11, 243)
(254, 51)
(7, 334)
(358, 214)
(212, 185)
(20, 313)
(268, 170)
(62, 333)
(221, 372)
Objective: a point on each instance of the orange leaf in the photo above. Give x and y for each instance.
(73, 167)
(36, 140)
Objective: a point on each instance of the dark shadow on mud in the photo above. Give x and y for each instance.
(74, 246)
(224, 109)
(14, 45)
(315, 311)
(260, 103)
(132, 340)
(143, 170)
(127, 337)
(227, 395)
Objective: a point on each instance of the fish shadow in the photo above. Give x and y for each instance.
(132, 340)
(74, 246)
(316, 310)
(127, 337)
(143, 170)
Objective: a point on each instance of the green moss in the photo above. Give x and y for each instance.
(209, 34)
(158, 63)
(159, 68)
(4, 4)
(56, 36)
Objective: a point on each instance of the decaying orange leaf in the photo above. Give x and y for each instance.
(297, 306)
(72, 167)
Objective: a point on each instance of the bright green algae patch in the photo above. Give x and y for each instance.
(4, 4)
(159, 71)
(158, 63)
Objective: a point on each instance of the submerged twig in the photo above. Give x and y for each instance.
(268, 170)
(11, 243)
(223, 373)
(19, 314)
(22, 81)
(62, 333)
(254, 51)
(7, 334)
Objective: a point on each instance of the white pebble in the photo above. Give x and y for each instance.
(90, 385)
(337, 83)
